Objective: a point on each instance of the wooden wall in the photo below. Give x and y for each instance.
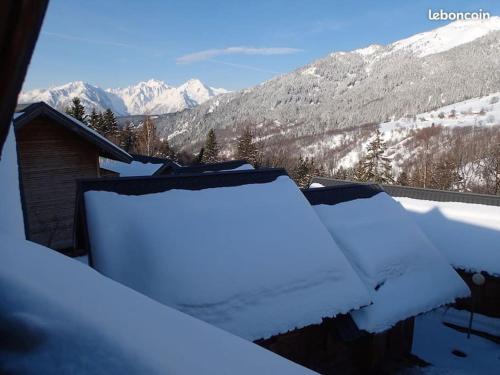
(51, 158)
(485, 298)
(323, 348)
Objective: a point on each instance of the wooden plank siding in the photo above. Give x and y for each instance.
(51, 158)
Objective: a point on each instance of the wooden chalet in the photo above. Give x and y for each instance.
(54, 150)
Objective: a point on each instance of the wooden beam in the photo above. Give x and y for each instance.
(20, 23)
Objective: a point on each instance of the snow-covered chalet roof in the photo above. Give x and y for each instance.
(405, 274)
(242, 250)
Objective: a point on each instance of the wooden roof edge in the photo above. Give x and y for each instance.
(34, 110)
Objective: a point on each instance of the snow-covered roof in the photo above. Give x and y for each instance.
(135, 168)
(405, 274)
(31, 111)
(231, 165)
(467, 234)
(241, 250)
(63, 317)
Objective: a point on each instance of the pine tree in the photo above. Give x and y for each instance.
(93, 120)
(403, 179)
(77, 110)
(165, 151)
(376, 166)
(128, 138)
(246, 148)
(110, 125)
(211, 148)
(445, 175)
(359, 172)
(301, 172)
(304, 170)
(199, 158)
(340, 173)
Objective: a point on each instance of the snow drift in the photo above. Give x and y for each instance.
(404, 272)
(253, 259)
(59, 316)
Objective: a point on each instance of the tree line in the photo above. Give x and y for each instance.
(467, 165)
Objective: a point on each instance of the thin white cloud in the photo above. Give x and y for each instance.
(86, 40)
(211, 53)
(243, 66)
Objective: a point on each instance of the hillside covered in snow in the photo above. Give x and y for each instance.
(346, 94)
(145, 98)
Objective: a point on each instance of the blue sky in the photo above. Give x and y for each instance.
(230, 44)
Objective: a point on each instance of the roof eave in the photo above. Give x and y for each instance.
(107, 148)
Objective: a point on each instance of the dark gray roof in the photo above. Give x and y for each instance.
(31, 111)
(151, 159)
(421, 193)
(201, 168)
(156, 184)
(340, 193)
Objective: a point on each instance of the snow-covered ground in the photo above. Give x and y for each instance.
(467, 234)
(253, 259)
(59, 316)
(434, 343)
(394, 259)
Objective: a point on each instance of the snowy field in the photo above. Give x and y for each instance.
(483, 111)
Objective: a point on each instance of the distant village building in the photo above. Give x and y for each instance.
(54, 150)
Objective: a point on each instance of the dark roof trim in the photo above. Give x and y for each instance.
(201, 168)
(35, 110)
(156, 184)
(332, 195)
(151, 159)
(422, 193)
(20, 23)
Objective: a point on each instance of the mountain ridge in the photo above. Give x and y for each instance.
(150, 97)
(346, 90)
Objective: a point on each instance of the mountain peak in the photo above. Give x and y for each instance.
(447, 37)
(147, 97)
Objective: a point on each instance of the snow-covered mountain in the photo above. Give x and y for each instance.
(150, 97)
(347, 92)
(400, 134)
